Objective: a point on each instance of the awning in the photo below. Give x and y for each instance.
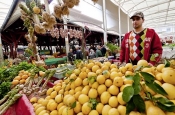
(158, 13)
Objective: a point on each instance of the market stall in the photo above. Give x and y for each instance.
(88, 87)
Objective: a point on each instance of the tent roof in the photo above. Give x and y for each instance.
(4, 9)
(158, 13)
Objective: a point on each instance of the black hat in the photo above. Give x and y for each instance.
(138, 14)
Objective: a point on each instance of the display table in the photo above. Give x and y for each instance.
(53, 61)
(21, 107)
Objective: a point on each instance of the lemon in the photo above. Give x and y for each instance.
(54, 112)
(52, 106)
(120, 99)
(65, 98)
(114, 70)
(40, 100)
(33, 100)
(93, 112)
(129, 73)
(105, 97)
(101, 89)
(113, 111)
(83, 98)
(72, 91)
(113, 66)
(121, 109)
(148, 104)
(42, 112)
(39, 110)
(108, 82)
(59, 98)
(85, 90)
(169, 76)
(98, 72)
(95, 68)
(92, 93)
(113, 102)
(95, 85)
(77, 109)
(83, 75)
(77, 94)
(85, 82)
(86, 108)
(72, 85)
(101, 79)
(79, 88)
(122, 70)
(78, 81)
(129, 67)
(99, 108)
(80, 113)
(37, 106)
(154, 110)
(169, 88)
(106, 73)
(67, 111)
(76, 71)
(118, 81)
(49, 91)
(53, 94)
(113, 90)
(45, 102)
(106, 109)
(60, 111)
(59, 106)
(160, 67)
(142, 63)
(113, 75)
(70, 100)
(90, 65)
(57, 88)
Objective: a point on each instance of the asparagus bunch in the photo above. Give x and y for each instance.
(43, 90)
(9, 99)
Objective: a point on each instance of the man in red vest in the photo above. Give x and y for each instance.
(140, 43)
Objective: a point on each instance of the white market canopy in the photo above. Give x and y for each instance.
(158, 13)
(5, 6)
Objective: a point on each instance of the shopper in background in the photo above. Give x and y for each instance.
(98, 52)
(79, 54)
(92, 54)
(71, 56)
(140, 43)
(103, 50)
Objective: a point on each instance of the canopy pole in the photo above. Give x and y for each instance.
(1, 52)
(104, 22)
(128, 23)
(66, 38)
(119, 21)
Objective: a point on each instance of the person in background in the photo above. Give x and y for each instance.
(98, 52)
(79, 54)
(71, 56)
(5, 56)
(92, 54)
(140, 43)
(103, 50)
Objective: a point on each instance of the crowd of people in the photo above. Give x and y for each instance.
(90, 52)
